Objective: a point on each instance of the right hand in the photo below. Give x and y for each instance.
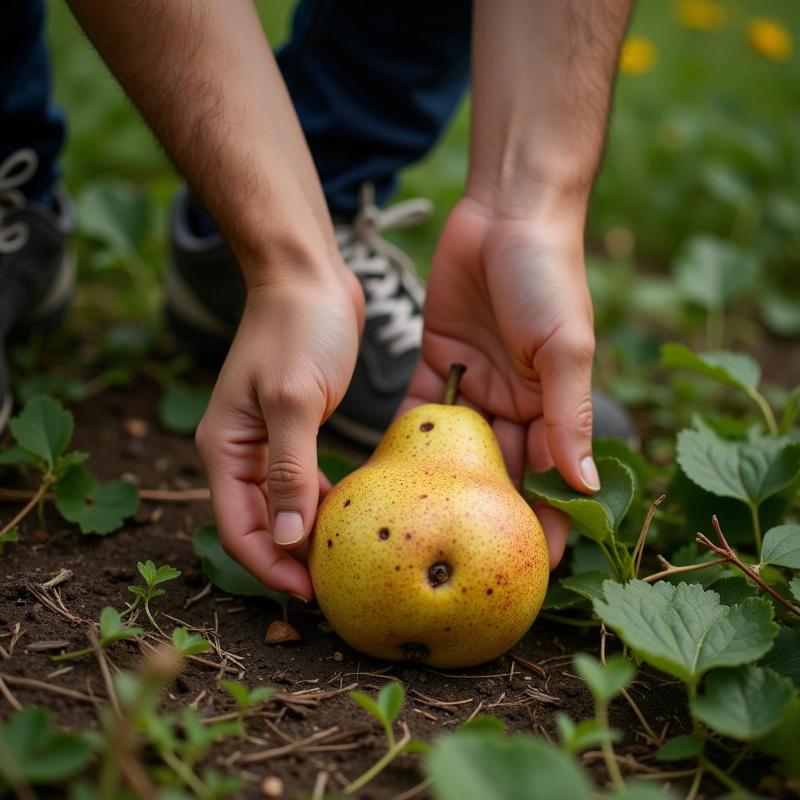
(288, 368)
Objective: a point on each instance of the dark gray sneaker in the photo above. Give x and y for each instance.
(205, 296)
(37, 271)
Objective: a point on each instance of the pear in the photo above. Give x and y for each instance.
(428, 552)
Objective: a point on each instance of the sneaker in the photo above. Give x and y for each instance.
(205, 296)
(37, 271)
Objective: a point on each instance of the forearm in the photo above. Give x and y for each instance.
(203, 75)
(543, 72)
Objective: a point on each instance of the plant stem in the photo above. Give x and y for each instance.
(756, 526)
(565, 620)
(695, 787)
(37, 496)
(185, 773)
(379, 765)
(672, 570)
(766, 410)
(726, 551)
(453, 379)
(601, 713)
(722, 776)
(640, 543)
(390, 737)
(69, 656)
(152, 620)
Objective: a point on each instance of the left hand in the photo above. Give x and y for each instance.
(509, 299)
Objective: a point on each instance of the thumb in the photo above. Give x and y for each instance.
(565, 369)
(292, 476)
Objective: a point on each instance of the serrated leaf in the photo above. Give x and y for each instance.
(745, 703)
(599, 515)
(782, 546)
(684, 630)
(189, 644)
(44, 429)
(155, 575)
(369, 705)
(559, 598)
(238, 692)
(587, 584)
(782, 740)
(112, 629)
(224, 572)
(732, 589)
(575, 738)
(605, 681)
(679, 748)
(96, 507)
(733, 369)
(182, 407)
(390, 700)
(784, 657)
(468, 765)
(41, 755)
(750, 471)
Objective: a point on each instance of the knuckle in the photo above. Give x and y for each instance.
(579, 347)
(286, 476)
(582, 418)
(288, 398)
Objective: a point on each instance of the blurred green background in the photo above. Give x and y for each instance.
(694, 228)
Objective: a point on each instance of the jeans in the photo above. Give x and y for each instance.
(374, 85)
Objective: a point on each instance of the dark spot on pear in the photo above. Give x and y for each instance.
(447, 628)
(397, 568)
(490, 591)
(347, 502)
(415, 651)
(426, 426)
(330, 542)
(439, 573)
(423, 496)
(383, 533)
(408, 536)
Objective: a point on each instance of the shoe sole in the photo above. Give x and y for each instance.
(56, 300)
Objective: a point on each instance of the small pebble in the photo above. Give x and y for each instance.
(338, 656)
(272, 786)
(135, 427)
(41, 536)
(280, 632)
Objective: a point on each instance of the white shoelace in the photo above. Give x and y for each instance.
(384, 268)
(15, 171)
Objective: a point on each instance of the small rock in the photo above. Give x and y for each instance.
(41, 536)
(272, 786)
(135, 427)
(338, 656)
(280, 632)
(157, 514)
(324, 627)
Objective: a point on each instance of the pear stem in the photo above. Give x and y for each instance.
(453, 379)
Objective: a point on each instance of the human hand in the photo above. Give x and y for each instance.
(509, 299)
(288, 367)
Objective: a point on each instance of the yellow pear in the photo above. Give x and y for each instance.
(428, 552)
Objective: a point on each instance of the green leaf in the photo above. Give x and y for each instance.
(112, 629)
(605, 681)
(155, 575)
(224, 572)
(745, 703)
(95, 507)
(782, 740)
(483, 723)
(785, 654)
(794, 588)
(41, 755)
(189, 644)
(781, 313)
(369, 705)
(782, 546)
(115, 213)
(599, 515)
(336, 466)
(679, 748)
(684, 630)
(44, 429)
(645, 791)
(588, 585)
(587, 733)
(260, 694)
(607, 446)
(713, 273)
(390, 700)
(733, 369)
(182, 407)
(749, 471)
(238, 692)
(732, 589)
(11, 535)
(468, 765)
(559, 597)
(16, 457)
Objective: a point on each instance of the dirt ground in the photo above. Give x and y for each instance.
(524, 688)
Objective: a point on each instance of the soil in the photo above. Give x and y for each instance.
(525, 688)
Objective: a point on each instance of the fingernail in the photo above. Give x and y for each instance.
(288, 528)
(589, 473)
(298, 597)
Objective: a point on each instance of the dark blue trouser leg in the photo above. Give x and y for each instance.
(374, 85)
(28, 117)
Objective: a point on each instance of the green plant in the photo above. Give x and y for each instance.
(112, 629)
(153, 577)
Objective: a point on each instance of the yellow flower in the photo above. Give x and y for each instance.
(701, 15)
(769, 39)
(638, 55)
